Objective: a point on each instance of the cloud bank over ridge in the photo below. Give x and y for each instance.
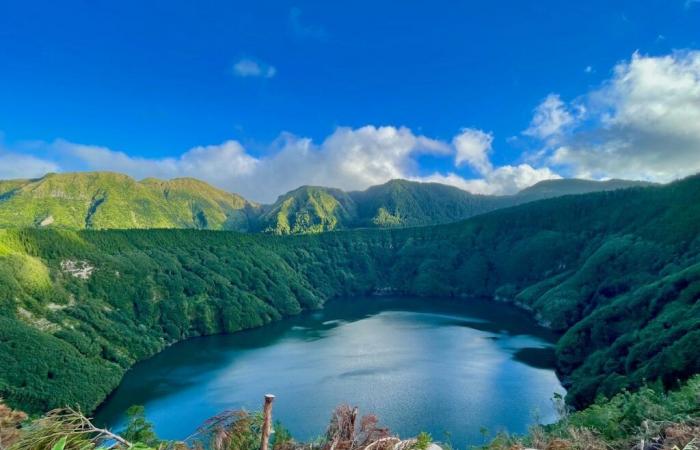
(641, 123)
(348, 158)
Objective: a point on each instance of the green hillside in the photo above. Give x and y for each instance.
(409, 203)
(100, 200)
(308, 209)
(402, 203)
(104, 200)
(617, 273)
(571, 186)
(397, 203)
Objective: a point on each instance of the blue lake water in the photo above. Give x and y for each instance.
(448, 367)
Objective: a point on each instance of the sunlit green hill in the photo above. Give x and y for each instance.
(105, 200)
(101, 200)
(403, 203)
(409, 203)
(308, 209)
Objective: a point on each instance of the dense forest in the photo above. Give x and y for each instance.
(106, 200)
(617, 273)
(103, 200)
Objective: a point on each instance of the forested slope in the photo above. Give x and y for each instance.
(618, 273)
(107, 200)
(308, 209)
(403, 203)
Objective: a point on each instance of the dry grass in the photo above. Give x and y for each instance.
(240, 430)
(681, 437)
(344, 433)
(10, 421)
(80, 433)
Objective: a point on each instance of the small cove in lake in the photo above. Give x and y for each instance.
(438, 365)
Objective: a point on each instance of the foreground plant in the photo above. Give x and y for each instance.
(68, 429)
(648, 419)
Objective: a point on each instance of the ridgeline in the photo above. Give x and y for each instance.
(105, 200)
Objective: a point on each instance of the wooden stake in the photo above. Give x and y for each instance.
(267, 421)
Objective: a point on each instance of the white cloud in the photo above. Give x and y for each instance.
(473, 147)
(642, 123)
(551, 118)
(250, 68)
(349, 158)
(214, 162)
(17, 165)
(502, 180)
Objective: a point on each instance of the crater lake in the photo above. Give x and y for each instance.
(452, 367)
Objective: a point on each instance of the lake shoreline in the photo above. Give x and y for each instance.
(381, 293)
(340, 315)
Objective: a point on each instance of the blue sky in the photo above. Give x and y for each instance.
(135, 86)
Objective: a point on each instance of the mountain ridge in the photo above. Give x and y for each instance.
(111, 200)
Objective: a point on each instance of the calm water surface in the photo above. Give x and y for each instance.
(419, 364)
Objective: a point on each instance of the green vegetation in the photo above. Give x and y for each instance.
(138, 429)
(101, 200)
(309, 209)
(616, 272)
(104, 200)
(572, 186)
(409, 204)
(423, 441)
(402, 203)
(649, 417)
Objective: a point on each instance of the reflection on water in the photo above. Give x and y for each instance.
(420, 364)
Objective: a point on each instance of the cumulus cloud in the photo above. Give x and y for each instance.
(502, 180)
(349, 158)
(643, 123)
(17, 165)
(551, 118)
(250, 68)
(214, 163)
(473, 147)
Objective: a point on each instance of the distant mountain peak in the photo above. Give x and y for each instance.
(115, 200)
(573, 186)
